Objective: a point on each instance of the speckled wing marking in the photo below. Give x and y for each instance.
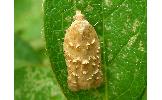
(82, 55)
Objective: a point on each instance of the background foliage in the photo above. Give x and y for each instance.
(121, 27)
(33, 77)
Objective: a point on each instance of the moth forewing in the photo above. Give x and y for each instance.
(82, 55)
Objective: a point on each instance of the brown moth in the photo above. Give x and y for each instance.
(82, 55)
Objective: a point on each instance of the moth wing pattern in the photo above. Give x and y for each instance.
(82, 55)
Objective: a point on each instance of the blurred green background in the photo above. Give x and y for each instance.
(33, 76)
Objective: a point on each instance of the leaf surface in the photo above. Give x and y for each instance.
(121, 27)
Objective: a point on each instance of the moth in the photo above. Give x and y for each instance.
(82, 55)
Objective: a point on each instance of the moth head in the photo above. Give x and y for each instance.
(79, 16)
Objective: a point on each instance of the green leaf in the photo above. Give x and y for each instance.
(144, 97)
(121, 27)
(36, 83)
(28, 18)
(24, 54)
